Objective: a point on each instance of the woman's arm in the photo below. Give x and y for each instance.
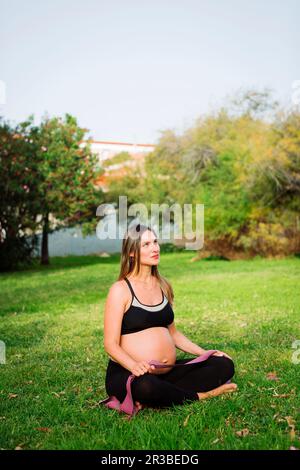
(183, 343)
(118, 354)
(113, 314)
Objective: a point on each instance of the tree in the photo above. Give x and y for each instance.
(243, 164)
(19, 188)
(67, 193)
(253, 103)
(286, 161)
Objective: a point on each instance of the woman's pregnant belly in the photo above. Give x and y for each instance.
(152, 343)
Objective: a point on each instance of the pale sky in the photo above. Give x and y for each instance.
(130, 68)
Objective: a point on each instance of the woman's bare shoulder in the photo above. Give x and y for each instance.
(120, 289)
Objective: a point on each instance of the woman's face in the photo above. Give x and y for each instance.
(150, 250)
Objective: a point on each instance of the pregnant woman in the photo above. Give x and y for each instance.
(139, 327)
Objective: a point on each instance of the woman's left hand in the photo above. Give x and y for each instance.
(221, 353)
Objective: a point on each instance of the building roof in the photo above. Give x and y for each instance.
(121, 143)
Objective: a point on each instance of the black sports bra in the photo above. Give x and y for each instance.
(140, 316)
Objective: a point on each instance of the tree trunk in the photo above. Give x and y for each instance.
(45, 252)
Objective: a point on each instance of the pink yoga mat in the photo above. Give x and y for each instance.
(128, 406)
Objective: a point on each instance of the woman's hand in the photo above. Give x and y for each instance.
(141, 368)
(221, 353)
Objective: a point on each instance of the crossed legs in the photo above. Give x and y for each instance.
(191, 382)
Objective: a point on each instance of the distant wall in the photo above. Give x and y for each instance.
(71, 242)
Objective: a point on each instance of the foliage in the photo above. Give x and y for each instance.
(170, 248)
(68, 171)
(47, 181)
(19, 187)
(243, 163)
(116, 159)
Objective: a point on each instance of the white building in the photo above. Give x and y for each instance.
(108, 149)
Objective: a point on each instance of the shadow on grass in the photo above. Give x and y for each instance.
(206, 264)
(63, 262)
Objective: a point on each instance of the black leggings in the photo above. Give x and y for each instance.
(174, 387)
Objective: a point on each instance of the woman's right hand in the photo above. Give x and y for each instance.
(141, 368)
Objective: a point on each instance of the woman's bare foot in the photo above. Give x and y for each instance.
(226, 388)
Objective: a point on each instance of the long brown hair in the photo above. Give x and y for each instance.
(128, 265)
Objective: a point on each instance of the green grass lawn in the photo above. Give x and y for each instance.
(53, 379)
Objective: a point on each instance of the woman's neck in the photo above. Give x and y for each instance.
(145, 278)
